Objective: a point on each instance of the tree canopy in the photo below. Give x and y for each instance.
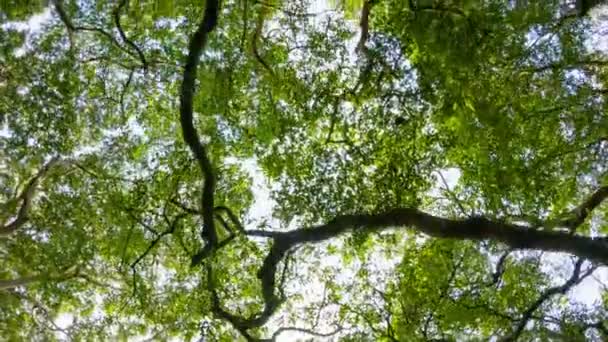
(374, 170)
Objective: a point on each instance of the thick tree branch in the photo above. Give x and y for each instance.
(475, 228)
(191, 137)
(364, 24)
(26, 197)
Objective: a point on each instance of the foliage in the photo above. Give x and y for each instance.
(312, 195)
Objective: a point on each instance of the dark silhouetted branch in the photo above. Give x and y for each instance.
(574, 279)
(170, 230)
(74, 28)
(191, 137)
(233, 218)
(364, 24)
(500, 268)
(475, 228)
(257, 35)
(124, 37)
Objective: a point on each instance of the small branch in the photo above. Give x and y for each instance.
(124, 91)
(334, 117)
(256, 37)
(154, 242)
(451, 193)
(569, 66)
(233, 218)
(582, 211)
(27, 196)
(500, 268)
(245, 23)
(575, 279)
(124, 37)
(73, 28)
(185, 207)
(69, 273)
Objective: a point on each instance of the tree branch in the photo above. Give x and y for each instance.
(500, 268)
(574, 279)
(73, 28)
(195, 49)
(570, 66)
(170, 230)
(257, 35)
(281, 330)
(475, 228)
(27, 196)
(124, 37)
(233, 218)
(582, 211)
(68, 273)
(364, 24)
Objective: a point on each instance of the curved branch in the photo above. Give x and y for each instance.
(574, 279)
(73, 28)
(582, 211)
(500, 268)
(475, 228)
(27, 196)
(191, 137)
(124, 37)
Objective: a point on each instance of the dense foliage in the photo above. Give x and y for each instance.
(379, 170)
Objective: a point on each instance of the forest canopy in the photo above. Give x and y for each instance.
(372, 170)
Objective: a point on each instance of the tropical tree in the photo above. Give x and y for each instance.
(260, 170)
